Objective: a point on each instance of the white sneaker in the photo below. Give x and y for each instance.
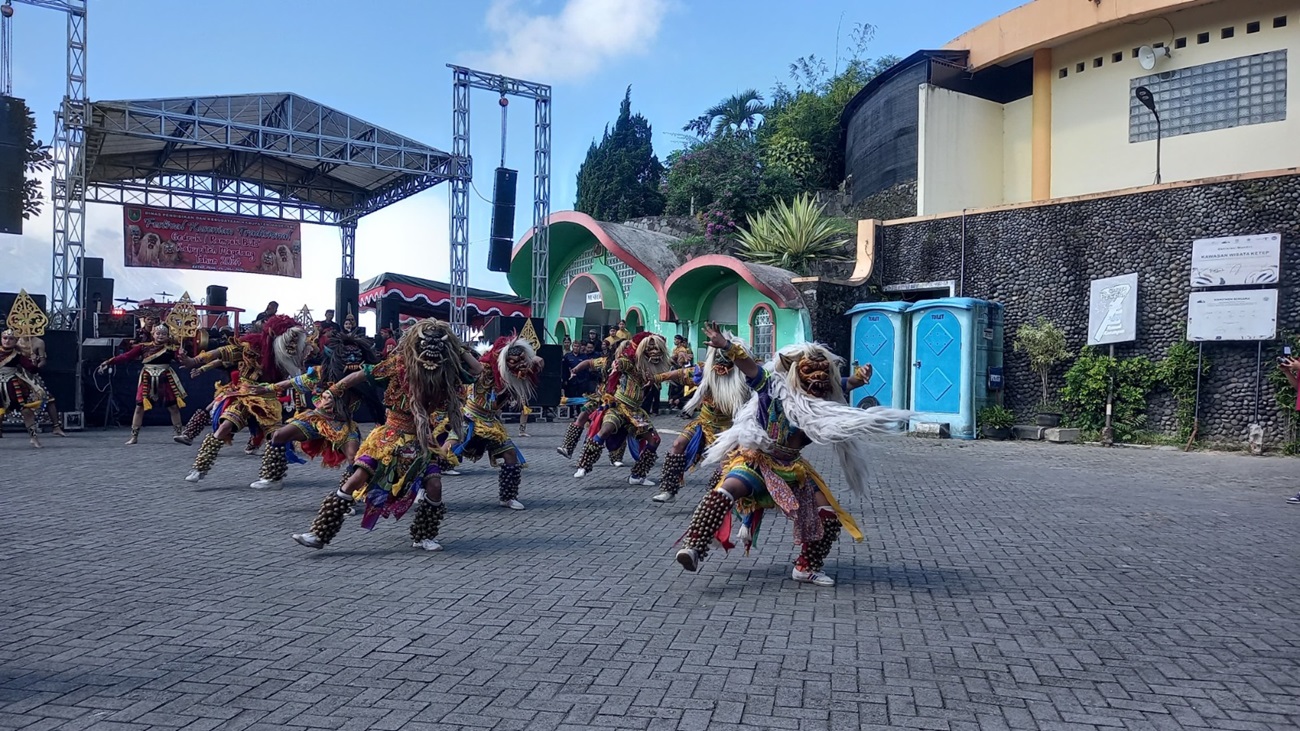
(451, 473)
(812, 577)
(689, 558)
(618, 464)
(267, 485)
(512, 504)
(194, 476)
(641, 481)
(180, 439)
(664, 497)
(309, 540)
(581, 473)
(427, 544)
(563, 453)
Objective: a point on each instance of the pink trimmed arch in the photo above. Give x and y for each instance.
(610, 245)
(783, 300)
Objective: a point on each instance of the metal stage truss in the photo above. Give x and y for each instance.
(463, 80)
(265, 155)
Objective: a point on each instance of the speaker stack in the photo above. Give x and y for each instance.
(13, 159)
(503, 220)
(346, 292)
(550, 385)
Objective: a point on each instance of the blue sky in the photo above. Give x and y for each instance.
(385, 61)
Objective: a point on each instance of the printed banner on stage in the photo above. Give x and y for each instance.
(168, 239)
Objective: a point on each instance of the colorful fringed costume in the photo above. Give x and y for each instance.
(399, 459)
(620, 420)
(721, 389)
(158, 384)
(795, 404)
(510, 370)
(272, 355)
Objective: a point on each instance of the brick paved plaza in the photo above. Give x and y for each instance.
(1000, 586)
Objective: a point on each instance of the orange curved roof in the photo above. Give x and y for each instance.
(1047, 23)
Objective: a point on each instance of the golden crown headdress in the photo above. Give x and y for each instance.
(183, 320)
(25, 317)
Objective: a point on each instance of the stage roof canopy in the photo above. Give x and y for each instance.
(429, 298)
(270, 155)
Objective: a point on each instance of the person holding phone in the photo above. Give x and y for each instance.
(1291, 369)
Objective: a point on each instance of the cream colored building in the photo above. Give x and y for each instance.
(1039, 103)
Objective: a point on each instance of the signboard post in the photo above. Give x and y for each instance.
(1112, 318)
(169, 239)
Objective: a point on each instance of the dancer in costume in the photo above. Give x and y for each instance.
(271, 355)
(798, 402)
(326, 428)
(18, 388)
(399, 463)
(202, 419)
(642, 362)
(27, 323)
(720, 391)
(158, 385)
(590, 406)
(510, 371)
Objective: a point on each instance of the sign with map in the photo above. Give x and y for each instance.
(1112, 310)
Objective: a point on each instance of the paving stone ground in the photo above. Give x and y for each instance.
(1001, 585)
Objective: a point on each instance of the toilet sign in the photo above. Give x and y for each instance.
(1112, 311)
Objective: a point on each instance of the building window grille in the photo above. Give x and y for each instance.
(763, 334)
(625, 274)
(1220, 95)
(581, 265)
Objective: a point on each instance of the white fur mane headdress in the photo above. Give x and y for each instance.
(728, 392)
(291, 351)
(823, 421)
(521, 388)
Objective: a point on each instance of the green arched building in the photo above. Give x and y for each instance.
(602, 273)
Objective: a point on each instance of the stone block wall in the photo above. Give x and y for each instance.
(1039, 261)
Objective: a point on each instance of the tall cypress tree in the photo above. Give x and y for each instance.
(620, 178)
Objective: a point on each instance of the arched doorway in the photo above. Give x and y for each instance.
(635, 323)
(561, 331)
(596, 301)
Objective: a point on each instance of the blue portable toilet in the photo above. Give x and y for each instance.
(956, 343)
(880, 339)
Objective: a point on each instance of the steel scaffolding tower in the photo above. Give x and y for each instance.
(464, 79)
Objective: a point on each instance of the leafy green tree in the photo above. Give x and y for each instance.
(724, 174)
(621, 176)
(37, 158)
(792, 235)
(804, 120)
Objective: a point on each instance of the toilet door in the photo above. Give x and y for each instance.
(936, 358)
(873, 343)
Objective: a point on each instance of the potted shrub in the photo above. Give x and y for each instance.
(1044, 344)
(996, 422)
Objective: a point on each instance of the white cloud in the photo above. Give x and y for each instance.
(584, 37)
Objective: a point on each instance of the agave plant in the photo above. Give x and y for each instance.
(792, 235)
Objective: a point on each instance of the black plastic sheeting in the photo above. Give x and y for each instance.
(881, 137)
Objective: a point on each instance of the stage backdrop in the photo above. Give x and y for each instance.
(170, 239)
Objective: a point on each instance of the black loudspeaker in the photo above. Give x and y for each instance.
(13, 158)
(550, 385)
(63, 387)
(7, 302)
(99, 294)
(92, 266)
(216, 295)
(346, 291)
(60, 351)
(503, 220)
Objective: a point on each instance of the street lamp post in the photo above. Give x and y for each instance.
(1148, 100)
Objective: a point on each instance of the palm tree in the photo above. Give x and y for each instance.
(792, 235)
(737, 113)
